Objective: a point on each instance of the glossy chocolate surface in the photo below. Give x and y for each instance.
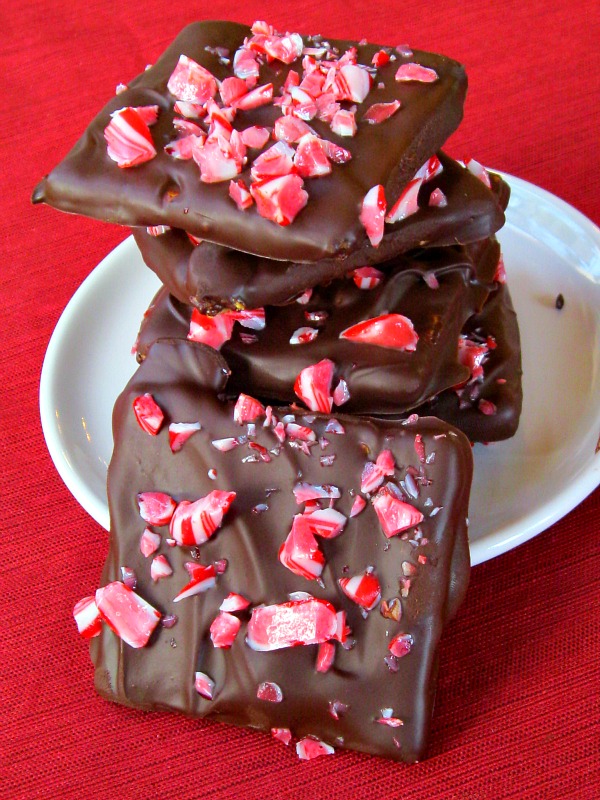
(501, 383)
(380, 380)
(168, 191)
(213, 277)
(185, 380)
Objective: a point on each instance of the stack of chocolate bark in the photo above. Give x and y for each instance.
(288, 494)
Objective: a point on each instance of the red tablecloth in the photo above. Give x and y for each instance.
(518, 708)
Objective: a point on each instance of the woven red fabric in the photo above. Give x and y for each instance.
(518, 711)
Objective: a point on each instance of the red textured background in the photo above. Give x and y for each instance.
(518, 712)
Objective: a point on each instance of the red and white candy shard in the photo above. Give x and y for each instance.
(303, 335)
(204, 685)
(180, 432)
(341, 393)
(309, 748)
(401, 645)
(431, 168)
(343, 123)
(149, 542)
(301, 432)
(475, 168)
(224, 629)
(253, 318)
(191, 83)
(240, 194)
(416, 72)
(255, 137)
(194, 523)
(128, 138)
(487, 407)
(156, 508)
(372, 214)
(325, 657)
(270, 692)
(129, 577)
(325, 522)
(407, 204)
(212, 331)
(420, 448)
(437, 199)
(160, 568)
(282, 734)
(394, 331)
(395, 515)
(148, 413)
(303, 492)
(374, 472)
(300, 552)
(365, 589)
(379, 112)
(127, 614)
(234, 602)
(357, 506)
(313, 386)
(276, 161)
(367, 277)
(87, 617)
(298, 622)
(280, 199)
(247, 409)
(311, 159)
(387, 718)
(202, 577)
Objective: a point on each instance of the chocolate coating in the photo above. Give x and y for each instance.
(185, 379)
(380, 380)
(213, 277)
(167, 191)
(501, 383)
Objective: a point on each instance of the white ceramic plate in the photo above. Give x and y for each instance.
(521, 486)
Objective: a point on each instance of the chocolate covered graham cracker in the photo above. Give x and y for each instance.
(213, 277)
(362, 588)
(394, 108)
(435, 294)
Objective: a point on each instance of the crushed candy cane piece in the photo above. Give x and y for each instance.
(270, 692)
(240, 194)
(213, 331)
(375, 471)
(406, 204)
(401, 645)
(191, 83)
(309, 748)
(300, 552)
(475, 168)
(367, 277)
(325, 522)
(303, 335)
(204, 685)
(87, 617)
(394, 515)
(234, 602)
(126, 613)
(148, 413)
(149, 542)
(416, 72)
(325, 657)
(223, 630)
(128, 138)
(372, 214)
(357, 506)
(394, 331)
(180, 432)
(160, 568)
(341, 393)
(297, 622)
(431, 168)
(365, 589)
(343, 123)
(156, 508)
(379, 112)
(280, 199)
(313, 385)
(247, 409)
(303, 492)
(202, 578)
(282, 734)
(129, 577)
(437, 199)
(195, 522)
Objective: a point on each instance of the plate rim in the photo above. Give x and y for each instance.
(488, 546)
